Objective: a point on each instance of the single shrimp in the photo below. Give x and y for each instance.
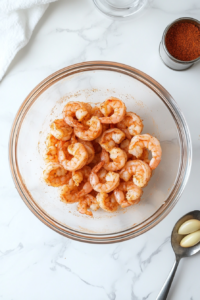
(107, 202)
(69, 193)
(93, 132)
(139, 142)
(88, 201)
(51, 154)
(113, 109)
(112, 180)
(127, 193)
(131, 125)
(75, 112)
(90, 149)
(118, 156)
(79, 156)
(111, 137)
(55, 175)
(140, 171)
(61, 130)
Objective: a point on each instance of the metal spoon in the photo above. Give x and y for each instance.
(179, 251)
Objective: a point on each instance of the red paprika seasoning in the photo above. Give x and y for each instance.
(183, 41)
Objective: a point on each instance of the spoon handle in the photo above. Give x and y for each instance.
(165, 289)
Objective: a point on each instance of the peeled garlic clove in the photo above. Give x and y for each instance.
(190, 239)
(189, 226)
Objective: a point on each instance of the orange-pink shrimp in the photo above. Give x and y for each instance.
(82, 178)
(55, 175)
(107, 201)
(51, 154)
(90, 149)
(61, 130)
(113, 109)
(131, 125)
(127, 193)
(78, 158)
(137, 169)
(118, 157)
(69, 193)
(86, 202)
(75, 112)
(112, 180)
(92, 132)
(139, 142)
(111, 137)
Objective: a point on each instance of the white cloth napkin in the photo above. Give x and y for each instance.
(18, 19)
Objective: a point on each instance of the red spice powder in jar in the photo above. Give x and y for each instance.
(183, 41)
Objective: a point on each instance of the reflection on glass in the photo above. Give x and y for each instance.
(120, 8)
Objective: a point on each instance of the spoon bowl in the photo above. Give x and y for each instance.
(179, 251)
(176, 238)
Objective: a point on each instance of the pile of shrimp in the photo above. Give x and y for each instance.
(98, 157)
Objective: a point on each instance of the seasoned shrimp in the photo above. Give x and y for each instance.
(113, 109)
(75, 112)
(93, 132)
(90, 149)
(140, 171)
(112, 180)
(139, 142)
(61, 130)
(51, 154)
(69, 193)
(83, 176)
(79, 157)
(88, 201)
(127, 193)
(118, 156)
(107, 202)
(111, 137)
(55, 175)
(131, 125)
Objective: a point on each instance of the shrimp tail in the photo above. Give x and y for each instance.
(98, 167)
(87, 188)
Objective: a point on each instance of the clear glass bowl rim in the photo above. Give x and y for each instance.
(184, 138)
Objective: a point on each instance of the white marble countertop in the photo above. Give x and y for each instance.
(38, 263)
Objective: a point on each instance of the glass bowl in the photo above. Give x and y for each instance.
(94, 82)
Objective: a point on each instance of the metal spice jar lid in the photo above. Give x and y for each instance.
(174, 43)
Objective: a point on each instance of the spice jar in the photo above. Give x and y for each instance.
(168, 59)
